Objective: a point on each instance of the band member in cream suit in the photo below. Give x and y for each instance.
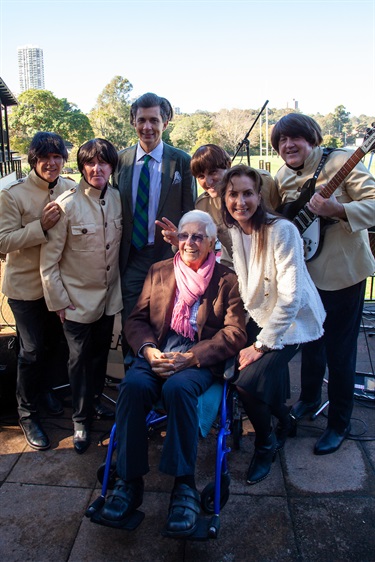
(81, 279)
(339, 271)
(27, 212)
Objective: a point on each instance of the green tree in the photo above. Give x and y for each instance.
(190, 131)
(336, 124)
(341, 120)
(40, 110)
(110, 116)
(334, 142)
(78, 126)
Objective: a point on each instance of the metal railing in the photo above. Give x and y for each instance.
(10, 165)
(370, 290)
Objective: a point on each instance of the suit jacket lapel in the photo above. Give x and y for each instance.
(167, 174)
(127, 184)
(169, 288)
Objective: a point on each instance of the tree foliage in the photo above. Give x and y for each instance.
(40, 110)
(110, 116)
(333, 142)
(231, 127)
(188, 132)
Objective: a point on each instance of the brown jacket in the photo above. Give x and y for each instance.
(220, 319)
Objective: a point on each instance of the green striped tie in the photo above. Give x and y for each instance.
(140, 225)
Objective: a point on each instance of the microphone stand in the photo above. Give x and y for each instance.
(245, 141)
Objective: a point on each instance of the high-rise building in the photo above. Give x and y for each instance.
(30, 68)
(292, 104)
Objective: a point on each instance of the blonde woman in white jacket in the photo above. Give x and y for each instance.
(283, 305)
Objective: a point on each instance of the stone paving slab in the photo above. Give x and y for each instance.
(310, 509)
(12, 445)
(332, 529)
(245, 523)
(58, 466)
(312, 474)
(96, 543)
(39, 523)
(252, 529)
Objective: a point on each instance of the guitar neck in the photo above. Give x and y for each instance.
(339, 177)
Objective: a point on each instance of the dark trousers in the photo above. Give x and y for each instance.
(337, 349)
(263, 386)
(133, 277)
(139, 391)
(40, 338)
(87, 367)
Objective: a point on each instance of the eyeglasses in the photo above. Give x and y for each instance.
(196, 238)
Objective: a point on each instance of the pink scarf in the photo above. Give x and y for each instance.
(191, 285)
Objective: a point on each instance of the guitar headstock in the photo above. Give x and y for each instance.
(369, 139)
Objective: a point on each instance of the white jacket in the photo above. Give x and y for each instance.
(277, 289)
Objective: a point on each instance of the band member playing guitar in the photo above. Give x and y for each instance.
(340, 267)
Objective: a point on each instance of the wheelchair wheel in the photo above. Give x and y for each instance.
(237, 432)
(112, 475)
(208, 495)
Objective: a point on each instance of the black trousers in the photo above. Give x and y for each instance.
(139, 391)
(337, 349)
(133, 277)
(41, 354)
(87, 367)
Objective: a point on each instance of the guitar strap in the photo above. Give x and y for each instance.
(326, 152)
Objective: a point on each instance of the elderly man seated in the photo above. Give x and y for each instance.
(188, 320)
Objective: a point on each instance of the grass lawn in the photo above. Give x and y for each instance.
(75, 177)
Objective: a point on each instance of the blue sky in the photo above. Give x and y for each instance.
(204, 54)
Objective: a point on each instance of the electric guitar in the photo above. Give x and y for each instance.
(312, 227)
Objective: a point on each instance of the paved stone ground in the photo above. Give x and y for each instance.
(309, 509)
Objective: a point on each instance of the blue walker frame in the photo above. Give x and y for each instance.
(213, 497)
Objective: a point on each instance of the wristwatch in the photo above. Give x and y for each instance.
(260, 347)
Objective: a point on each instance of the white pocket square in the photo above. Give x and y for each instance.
(176, 178)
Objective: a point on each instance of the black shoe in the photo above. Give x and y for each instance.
(124, 500)
(330, 441)
(34, 434)
(262, 460)
(184, 510)
(52, 404)
(301, 408)
(101, 412)
(282, 431)
(81, 440)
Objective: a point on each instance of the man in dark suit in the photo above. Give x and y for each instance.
(171, 193)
